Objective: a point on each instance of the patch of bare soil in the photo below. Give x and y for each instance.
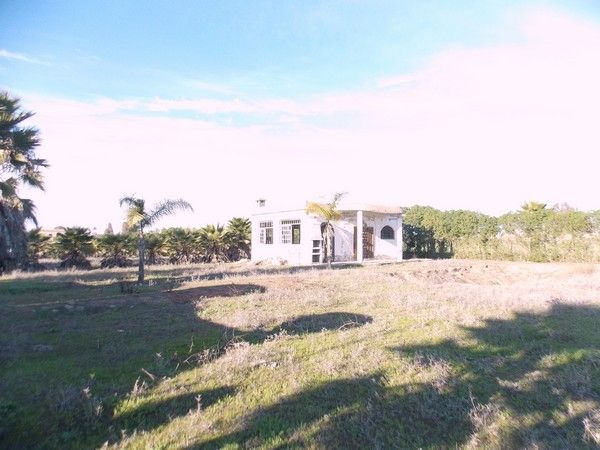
(491, 272)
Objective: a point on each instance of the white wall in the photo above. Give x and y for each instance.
(344, 240)
(383, 248)
(386, 247)
(310, 229)
(295, 254)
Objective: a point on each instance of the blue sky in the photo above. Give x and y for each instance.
(159, 48)
(291, 82)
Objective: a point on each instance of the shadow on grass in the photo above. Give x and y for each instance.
(152, 414)
(532, 365)
(63, 371)
(313, 323)
(66, 285)
(353, 413)
(540, 371)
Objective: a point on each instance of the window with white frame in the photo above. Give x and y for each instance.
(266, 232)
(290, 231)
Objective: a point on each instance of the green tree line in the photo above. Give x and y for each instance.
(74, 245)
(533, 233)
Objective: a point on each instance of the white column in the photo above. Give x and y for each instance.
(399, 243)
(359, 236)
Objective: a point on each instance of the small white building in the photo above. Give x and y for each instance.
(295, 237)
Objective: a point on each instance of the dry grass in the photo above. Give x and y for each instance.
(422, 354)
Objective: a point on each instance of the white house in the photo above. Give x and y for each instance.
(293, 236)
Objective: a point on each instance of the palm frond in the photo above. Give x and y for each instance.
(325, 211)
(336, 199)
(167, 208)
(27, 208)
(33, 178)
(135, 218)
(8, 188)
(131, 201)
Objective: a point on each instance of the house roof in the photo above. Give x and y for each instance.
(344, 206)
(369, 207)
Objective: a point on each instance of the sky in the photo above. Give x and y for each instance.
(457, 105)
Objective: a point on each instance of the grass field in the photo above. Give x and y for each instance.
(420, 354)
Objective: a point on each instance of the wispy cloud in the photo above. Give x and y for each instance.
(21, 57)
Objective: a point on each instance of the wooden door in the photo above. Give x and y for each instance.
(368, 242)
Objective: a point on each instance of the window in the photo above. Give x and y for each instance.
(387, 232)
(266, 232)
(290, 231)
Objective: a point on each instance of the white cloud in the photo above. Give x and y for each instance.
(483, 128)
(20, 57)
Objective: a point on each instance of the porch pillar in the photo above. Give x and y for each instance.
(399, 243)
(359, 236)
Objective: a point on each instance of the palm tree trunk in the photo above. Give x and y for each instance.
(13, 238)
(141, 249)
(329, 245)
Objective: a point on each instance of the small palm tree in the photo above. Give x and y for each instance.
(155, 244)
(329, 213)
(239, 232)
(138, 218)
(114, 248)
(180, 245)
(213, 241)
(72, 246)
(37, 246)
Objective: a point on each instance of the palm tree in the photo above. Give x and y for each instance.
(37, 246)
(213, 241)
(138, 219)
(18, 167)
(155, 244)
(180, 245)
(329, 213)
(533, 206)
(72, 246)
(239, 232)
(114, 248)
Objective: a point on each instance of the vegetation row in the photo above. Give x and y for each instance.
(74, 245)
(534, 233)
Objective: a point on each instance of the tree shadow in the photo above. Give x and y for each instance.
(532, 365)
(353, 413)
(222, 290)
(540, 370)
(81, 360)
(150, 415)
(313, 323)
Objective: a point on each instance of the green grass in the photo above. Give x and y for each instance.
(422, 354)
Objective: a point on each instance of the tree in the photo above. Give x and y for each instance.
(155, 244)
(72, 246)
(329, 213)
(239, 232)
(214, 243)
(19, 166)
(180, 245)
(114, 248)
(138, 218)
(37, 245)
